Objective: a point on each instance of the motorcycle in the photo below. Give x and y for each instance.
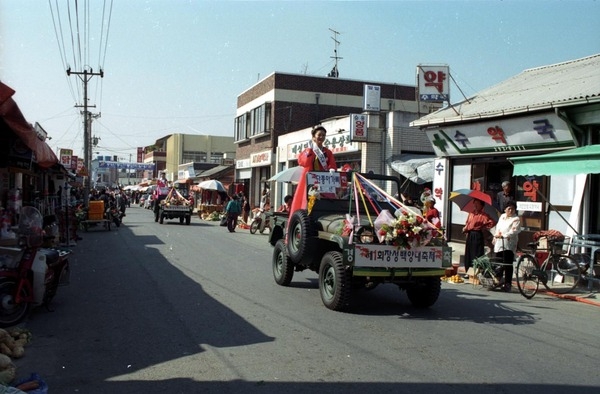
(30, 275)
(114, 214)
(260, 221)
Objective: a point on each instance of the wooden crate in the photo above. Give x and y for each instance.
(96, 207)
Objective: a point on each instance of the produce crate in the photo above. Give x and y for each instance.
(95, 216)
(96, 207)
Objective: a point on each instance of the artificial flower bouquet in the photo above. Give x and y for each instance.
(404, 229)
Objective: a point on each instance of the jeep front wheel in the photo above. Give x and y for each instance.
(334, 282)
(425, 292)
(283, 268)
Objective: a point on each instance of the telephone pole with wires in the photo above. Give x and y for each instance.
(86, 76)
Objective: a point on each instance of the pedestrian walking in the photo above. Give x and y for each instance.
(233, 210)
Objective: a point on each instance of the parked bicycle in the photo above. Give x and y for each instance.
(558, 271)
(489, 269)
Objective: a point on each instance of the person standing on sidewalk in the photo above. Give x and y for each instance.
(233, 210)
(505, 241)
(477, 222)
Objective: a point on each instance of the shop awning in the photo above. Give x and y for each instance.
(583, 160)
(12, 116)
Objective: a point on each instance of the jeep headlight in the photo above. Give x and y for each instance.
(366, 235)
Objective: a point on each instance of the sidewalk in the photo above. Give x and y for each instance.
(581, 294)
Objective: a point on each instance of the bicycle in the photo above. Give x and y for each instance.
(489, 271)
(559, 272)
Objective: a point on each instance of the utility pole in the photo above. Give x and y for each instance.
(128, 170)
(85, 77)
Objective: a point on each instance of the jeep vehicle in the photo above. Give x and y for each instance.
(173, 206)
(340, 236)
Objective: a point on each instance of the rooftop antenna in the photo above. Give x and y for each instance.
(334, 73)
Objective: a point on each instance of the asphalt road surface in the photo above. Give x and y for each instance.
(172, 308)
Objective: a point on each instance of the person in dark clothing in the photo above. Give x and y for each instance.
(233, 210)
(504, 196)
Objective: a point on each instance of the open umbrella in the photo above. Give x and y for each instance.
(418, 171)
(212, 184)
(464, 199)
(291, 174)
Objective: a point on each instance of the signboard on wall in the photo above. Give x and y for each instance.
(261, 159)
(372, 98)
(337, 143)
(524, 134)
(65, 157)
(358, 127)
(433, 84)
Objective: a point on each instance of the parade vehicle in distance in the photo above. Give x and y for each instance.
(173, 206)
(356, 236)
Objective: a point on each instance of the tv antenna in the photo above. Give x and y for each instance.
(335, 73)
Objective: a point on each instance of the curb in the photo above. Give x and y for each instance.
(585, 300)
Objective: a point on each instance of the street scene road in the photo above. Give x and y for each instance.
(193, 308)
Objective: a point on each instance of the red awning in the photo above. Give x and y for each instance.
(10, 112)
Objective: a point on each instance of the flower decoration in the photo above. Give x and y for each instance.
(313, 195)
(405, 231)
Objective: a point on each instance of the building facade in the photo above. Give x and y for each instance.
(173, 150)
(282, 103)
(539, 111)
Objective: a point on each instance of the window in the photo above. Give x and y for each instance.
(240, 128)
(254, 123)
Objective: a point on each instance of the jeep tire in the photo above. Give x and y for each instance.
(283, 268)
(425, 292)
(335, 282)
(301, 241)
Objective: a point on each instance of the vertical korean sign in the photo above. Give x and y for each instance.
(433, 83)
(358, 127)
(65, 157)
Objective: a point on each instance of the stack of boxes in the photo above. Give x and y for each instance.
(96, 210)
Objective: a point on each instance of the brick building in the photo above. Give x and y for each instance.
(282, 103)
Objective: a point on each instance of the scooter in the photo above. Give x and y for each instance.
(114, 214)
(260, 221)
(30, 275)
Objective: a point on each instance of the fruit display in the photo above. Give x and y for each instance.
(453, 279)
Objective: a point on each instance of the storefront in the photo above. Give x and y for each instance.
(476, 140)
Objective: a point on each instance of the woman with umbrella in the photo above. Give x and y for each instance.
(477, 222)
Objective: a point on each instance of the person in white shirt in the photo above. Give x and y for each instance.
(506, 239)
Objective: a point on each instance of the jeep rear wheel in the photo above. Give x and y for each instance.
(300, 238)
(334, 282)
(425, 292)
(283, 268)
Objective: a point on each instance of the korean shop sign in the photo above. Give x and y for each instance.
(433, 83)
(261, 159)
(336, 142)
(524, 134)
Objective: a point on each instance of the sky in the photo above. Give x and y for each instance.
(175, 66)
